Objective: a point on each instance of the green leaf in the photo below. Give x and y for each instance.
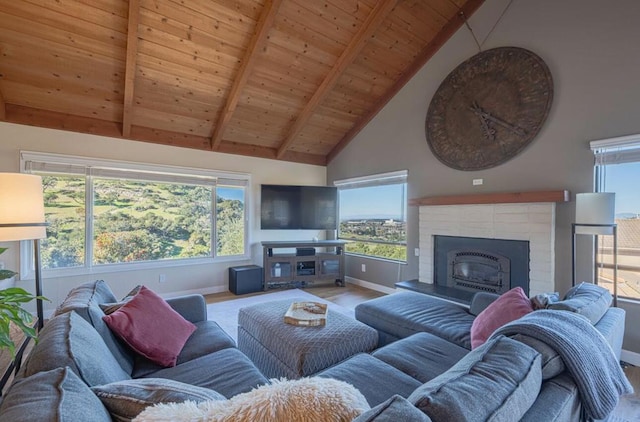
(2, 250)
(7, 274)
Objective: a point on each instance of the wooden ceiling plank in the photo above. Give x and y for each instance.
(178, 70)
(165, 53)
(373, 22)
(62, 36)
(429, 50)
(188, 25)
(61, 21)
(265, 152)
(40, 78)
(87, 13)
(259, 39)
(170, 122)
(234, 12)
(54, 120)
(3, 107)
(226, 56)
(61, 101)
(130, 66)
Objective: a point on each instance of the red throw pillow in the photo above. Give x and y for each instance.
(508, 307)
(151, 327)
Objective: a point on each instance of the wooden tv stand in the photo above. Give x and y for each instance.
(290, 268)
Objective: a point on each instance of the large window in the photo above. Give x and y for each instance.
(373, 215)
(618, 170)
(103, 213)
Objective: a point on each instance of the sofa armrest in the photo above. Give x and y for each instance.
(192, 307)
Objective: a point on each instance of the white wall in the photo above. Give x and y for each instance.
(205, 278)
(591, 48)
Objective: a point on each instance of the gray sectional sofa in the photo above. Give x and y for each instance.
(423, 370)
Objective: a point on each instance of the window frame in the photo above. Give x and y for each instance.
(399, 177)
(162, 173)
(613, 151)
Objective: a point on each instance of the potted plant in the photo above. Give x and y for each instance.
(11, 311)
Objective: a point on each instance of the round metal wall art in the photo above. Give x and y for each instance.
(489, 108)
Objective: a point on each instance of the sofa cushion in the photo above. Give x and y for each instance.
(405, 313)
(228, 371)
(396, 409)
(586, 299)
(69, 340)
(376, 380)
(508, 369)
(126, 399)
(552, 363)
(207, 338)
(558, 401)
(52, 396)
(151, 327)
(508, 307)
(284, 400)
(85, 300)
(422, 356)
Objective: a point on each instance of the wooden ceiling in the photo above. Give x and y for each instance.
(292, 80)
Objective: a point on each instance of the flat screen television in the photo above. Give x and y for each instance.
(286, 207)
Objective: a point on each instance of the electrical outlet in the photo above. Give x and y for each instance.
(364, 268)
(478, 182)
(416, 252)
(1, 265)
(162, 278)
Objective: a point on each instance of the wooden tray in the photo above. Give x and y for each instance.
(306, 314)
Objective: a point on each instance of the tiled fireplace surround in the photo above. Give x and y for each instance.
(534, 222)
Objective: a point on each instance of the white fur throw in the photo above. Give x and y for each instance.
(306, 399)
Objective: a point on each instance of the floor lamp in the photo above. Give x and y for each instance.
(595, 216)
(22, 218)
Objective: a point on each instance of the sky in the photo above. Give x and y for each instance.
(373, 202)
(624, 180)
(230, 193)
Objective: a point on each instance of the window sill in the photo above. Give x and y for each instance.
(119, 268)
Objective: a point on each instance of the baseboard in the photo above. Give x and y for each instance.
(205, 291)
(371, 286)
(630, 357)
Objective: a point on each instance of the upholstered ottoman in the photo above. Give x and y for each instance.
(283, 350)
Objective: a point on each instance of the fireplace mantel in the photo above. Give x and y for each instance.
(495, 198)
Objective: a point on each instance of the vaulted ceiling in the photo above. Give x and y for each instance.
(293, 80)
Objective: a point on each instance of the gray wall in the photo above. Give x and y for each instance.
(592, 50)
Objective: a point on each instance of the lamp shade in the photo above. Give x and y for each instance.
(21, 207)
(595, 208)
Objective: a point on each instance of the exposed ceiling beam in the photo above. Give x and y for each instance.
(3, 108)
(371, 25)
(258, 40)
(130, 66)
(430, 49)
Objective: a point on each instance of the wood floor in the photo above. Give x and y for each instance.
(628, 409)
(348, 296)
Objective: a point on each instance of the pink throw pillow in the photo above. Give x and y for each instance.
(508, 307)
(151, 327)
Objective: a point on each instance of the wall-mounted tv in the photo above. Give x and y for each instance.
(286, 207)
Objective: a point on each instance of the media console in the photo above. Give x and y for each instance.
(304, 265)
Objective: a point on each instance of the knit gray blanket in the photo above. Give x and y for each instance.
(586, 355)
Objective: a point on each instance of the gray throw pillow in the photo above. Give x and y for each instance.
(589, 300)
(109, 308)
(52, 396)
(506, 368)
(126, 399)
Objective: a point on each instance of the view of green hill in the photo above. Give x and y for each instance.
(137, 221)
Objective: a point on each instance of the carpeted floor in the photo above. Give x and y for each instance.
(226, 313)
